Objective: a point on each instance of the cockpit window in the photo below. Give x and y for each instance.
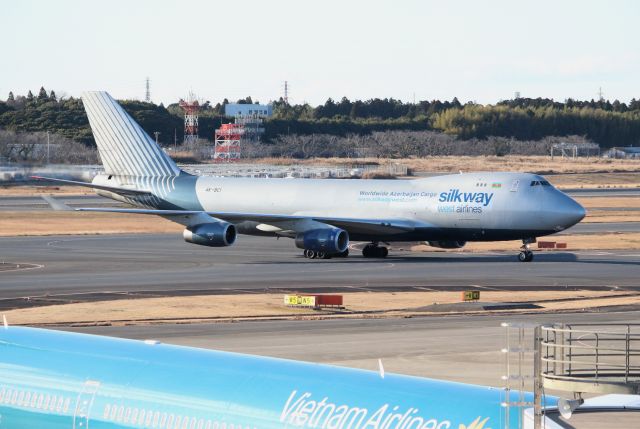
(540, 183)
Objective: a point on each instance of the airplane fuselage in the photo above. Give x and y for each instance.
(463, 207)
(59, 380)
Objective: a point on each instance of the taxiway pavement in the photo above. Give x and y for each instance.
(104, 267)
(36, 203)
(457, 348)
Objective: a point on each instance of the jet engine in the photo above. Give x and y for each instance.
(447, 244)
(328, 240)
(215, 234)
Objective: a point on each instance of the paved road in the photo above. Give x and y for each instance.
(458, 348)
(623, 192)
(89, 266)
(35, 203)
(600, 227)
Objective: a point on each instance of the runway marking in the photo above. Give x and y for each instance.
(365, 289)
(90, 237)
(485, 287)
(596, 253)
(348, 268)
(19, 268)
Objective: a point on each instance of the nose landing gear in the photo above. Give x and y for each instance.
(526, 255)
(372, 250)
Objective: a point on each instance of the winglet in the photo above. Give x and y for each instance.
(380, 368)
(55, 204)
(4, 321)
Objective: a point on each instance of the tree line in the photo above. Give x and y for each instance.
(40, 148)
(526, 119)
(403, 144)
(609, 123)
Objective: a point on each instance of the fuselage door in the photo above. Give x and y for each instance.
(515, 184)
(84, 404)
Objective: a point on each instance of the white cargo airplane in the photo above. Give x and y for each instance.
(322, 216)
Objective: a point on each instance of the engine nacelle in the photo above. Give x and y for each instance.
(447, 244)
(215, 234)
(329, 240)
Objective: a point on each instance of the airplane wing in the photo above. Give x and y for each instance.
(115, 189)
(352, 225)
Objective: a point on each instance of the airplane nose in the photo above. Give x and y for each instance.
(567, 211)
(575, 212)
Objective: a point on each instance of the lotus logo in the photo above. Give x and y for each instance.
(476, 424)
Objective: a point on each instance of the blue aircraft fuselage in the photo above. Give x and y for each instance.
(52, 380)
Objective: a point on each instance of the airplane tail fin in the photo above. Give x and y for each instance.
(124, 147)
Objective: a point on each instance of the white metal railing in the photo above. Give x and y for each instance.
(570, 358)
(585, 358)
(606, 354)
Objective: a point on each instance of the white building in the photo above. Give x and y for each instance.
(622, 152)
(259, 110)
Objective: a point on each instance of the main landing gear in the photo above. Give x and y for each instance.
(312, 254)
(372, 250)
(526, 255)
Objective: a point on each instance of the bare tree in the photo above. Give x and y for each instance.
(405, 144)
(33, 148)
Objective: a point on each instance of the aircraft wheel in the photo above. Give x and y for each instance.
(342, 254)
(369, 251)
(321, 255)
(525, 256)
(374, 251)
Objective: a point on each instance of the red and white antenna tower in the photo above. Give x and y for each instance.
(191, 108)
(228, 139)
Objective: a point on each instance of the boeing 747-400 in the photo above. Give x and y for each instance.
(322, 216)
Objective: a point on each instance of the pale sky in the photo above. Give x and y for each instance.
(476, 50)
